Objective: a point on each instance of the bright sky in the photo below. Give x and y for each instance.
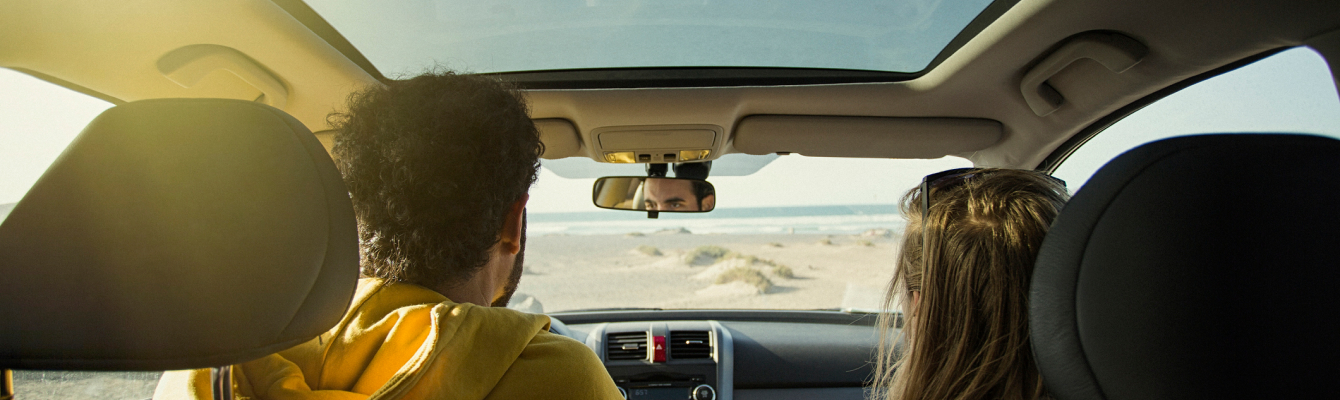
(542, 34)
(1291, 92)
(37, 121)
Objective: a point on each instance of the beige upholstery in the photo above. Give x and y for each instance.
(559, 137)
(864, 136)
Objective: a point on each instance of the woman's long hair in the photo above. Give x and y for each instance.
(967, 336)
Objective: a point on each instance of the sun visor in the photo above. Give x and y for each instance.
(559, 138)
(869, 137)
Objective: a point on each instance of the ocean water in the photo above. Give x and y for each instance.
(843, 219)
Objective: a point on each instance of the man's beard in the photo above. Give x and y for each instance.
(515, 279)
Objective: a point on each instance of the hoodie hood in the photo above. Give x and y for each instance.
(394, 335)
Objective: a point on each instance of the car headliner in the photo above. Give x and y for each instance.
(112, 49)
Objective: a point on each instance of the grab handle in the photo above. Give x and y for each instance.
(1115, 51)
(188, 65)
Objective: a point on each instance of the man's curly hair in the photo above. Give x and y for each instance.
(433, 164)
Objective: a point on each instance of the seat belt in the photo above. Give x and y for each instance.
(222, 382)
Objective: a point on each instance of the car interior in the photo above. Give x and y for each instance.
(199, 221)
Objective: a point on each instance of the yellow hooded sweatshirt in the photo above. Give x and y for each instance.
(402, 341)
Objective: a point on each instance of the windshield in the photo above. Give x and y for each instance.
(527, 35)
(801, 233)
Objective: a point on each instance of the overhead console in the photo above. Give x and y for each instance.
(670, 360)
(632, 144)
(658, 143)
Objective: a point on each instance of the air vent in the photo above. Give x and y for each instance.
(690, 344)
(626, 346)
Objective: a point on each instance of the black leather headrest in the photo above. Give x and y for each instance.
(1196, 267)
(173, 234)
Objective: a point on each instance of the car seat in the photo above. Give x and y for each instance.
(1196, 267)
(177, 234)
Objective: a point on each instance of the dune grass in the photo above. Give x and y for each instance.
(706, 255)
(648, 250)
(747, 275)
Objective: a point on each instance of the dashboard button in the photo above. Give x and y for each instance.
(658, 352)
(622, 392)
(704, 392)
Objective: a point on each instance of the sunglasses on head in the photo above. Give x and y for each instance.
(950, 178)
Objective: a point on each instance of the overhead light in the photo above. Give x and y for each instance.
(620, 157)
(693, 155)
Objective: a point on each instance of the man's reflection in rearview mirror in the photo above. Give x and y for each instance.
(678, 195)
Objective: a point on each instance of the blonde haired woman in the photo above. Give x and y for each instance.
(962, 278)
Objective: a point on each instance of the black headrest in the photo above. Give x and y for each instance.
(1196, 267)
(173, 234)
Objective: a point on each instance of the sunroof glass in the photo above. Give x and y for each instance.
(402, 37)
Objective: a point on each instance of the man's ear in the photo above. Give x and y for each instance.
(709, 202)
(512, 229)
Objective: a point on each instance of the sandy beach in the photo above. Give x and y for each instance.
(675, 269)
(60, 385)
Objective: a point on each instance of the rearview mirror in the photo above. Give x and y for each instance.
(640, 193)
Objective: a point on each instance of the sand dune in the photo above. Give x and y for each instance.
(664, 271)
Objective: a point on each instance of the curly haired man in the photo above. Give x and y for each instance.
(438, 167)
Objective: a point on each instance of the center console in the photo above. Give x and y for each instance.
(667, 360)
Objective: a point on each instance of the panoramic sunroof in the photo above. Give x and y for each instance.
(406, 37)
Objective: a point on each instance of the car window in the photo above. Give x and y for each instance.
(1291, 91)
(547, 35)
(35, 385)
(37, 121)
(800, 233)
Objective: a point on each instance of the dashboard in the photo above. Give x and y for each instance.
(729, 354)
